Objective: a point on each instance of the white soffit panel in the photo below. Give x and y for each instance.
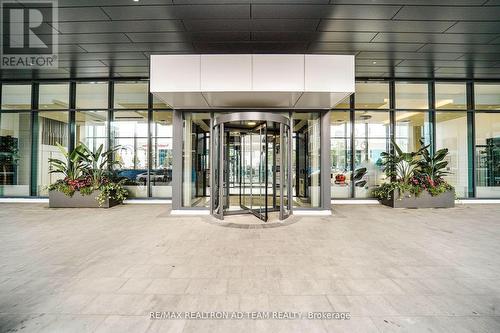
(226, 72)
(172, 73)
(278, 72)
(255, 99)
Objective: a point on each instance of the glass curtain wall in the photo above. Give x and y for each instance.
(451, 133)
(412, 128)
(371, 138)
(16, 97)
(15, 143)
(129, 131)
(306, 159)
(195, 159)
(488, 155)
(161, 155)
(340, 151)
(52, 129)
(28, 134)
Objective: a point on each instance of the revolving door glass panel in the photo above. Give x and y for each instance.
(249, 168)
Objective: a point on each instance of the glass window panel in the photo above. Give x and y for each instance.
(340, 151)
(16, 97)
(306, 159)
(131, 95)
(195, 160)
(451, 96)
(52, 129)
(344, 104)
(488, 155)
(161, 169)
(162, 124)
(91, 128)
(92, 95)
(412, 95)
(130, 131)
(372, 95)
(487, 96)
(371, 139)
(451, 133)
(411, 127)
(159, 104)
(53, 96)
(15, 144)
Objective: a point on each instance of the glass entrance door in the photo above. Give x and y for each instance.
(251, 163)
(253, 172)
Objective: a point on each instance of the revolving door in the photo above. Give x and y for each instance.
(251, 158)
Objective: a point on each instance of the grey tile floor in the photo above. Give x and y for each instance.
(84, 270)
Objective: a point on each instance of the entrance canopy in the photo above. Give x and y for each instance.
(288, 81)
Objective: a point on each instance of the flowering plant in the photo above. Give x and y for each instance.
(86, 171)
(423, 171)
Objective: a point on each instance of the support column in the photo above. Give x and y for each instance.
(177, 160)
(325, 171)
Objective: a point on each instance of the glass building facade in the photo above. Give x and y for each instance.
(463, 116)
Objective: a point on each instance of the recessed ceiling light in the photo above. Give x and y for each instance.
(251, 123)
(374, 62)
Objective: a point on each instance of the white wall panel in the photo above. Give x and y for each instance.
(226, 72)
(329, 73)
(252, 81)
(278, 72)
(175, 73)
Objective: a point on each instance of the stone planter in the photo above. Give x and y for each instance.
(60, 200)
(424, 200)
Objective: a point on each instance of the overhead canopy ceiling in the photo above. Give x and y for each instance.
(401, 38)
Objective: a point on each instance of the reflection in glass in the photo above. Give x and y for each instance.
(195, 157)
(159, 104)
(451, 96)
(16, 96)
(411, 128)
(52, 130)
(488, 155)
(371, 138)
(344, 104)
(161, 159)
(130, 132)
(412, 95)
(306, 159)
(451, 133)
(487, 96)
(372, 95)
(340, 151)
(15, 143)
(53, 96)
(92, 95)
(131, 95)
(91, 128)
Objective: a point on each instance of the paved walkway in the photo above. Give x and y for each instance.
(83, 270)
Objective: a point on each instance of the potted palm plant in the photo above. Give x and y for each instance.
(416, 179)
(87, 181)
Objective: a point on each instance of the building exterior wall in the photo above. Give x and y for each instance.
(463, 116)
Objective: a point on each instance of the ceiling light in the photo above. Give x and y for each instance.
(251, 123)
(374, 62)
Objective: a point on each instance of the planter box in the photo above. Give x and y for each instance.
(424, 200)
(60, 200)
